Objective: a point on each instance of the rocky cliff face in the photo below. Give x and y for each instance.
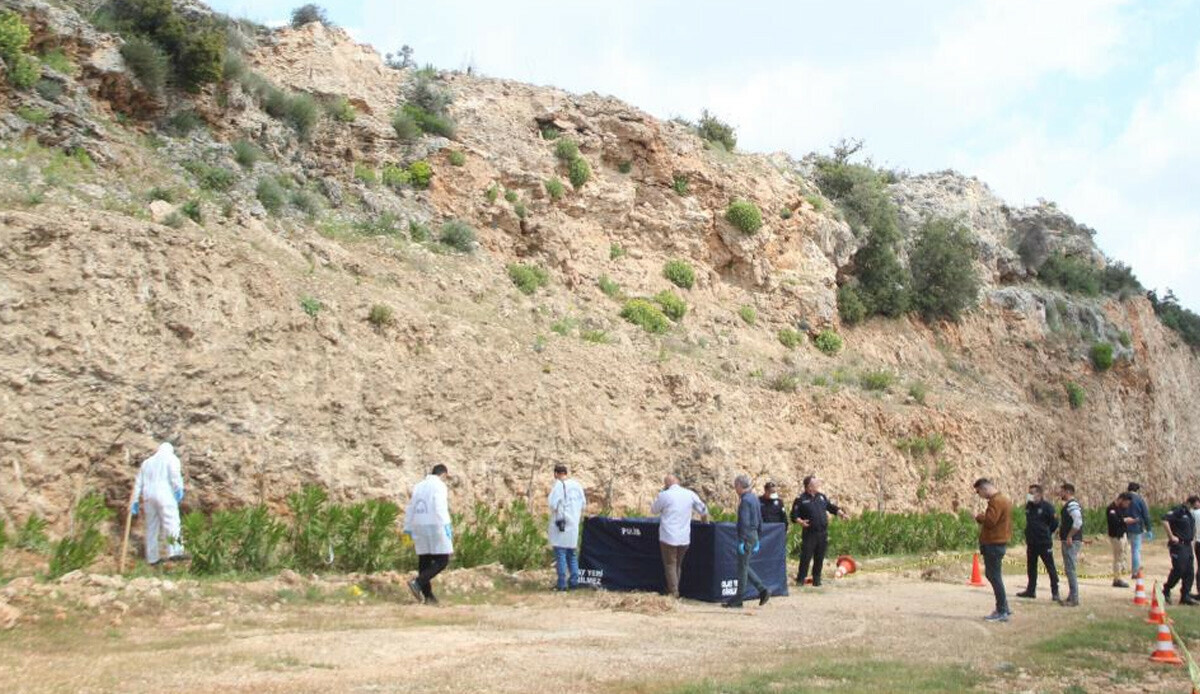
(117, 331)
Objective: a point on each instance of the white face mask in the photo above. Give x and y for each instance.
(774, 495)
(1029, 498)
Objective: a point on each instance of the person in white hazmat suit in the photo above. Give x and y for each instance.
(566, 501)
(157, 493)
(427, 522)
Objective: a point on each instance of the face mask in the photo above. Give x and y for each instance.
(774, 495)
(1029, 498)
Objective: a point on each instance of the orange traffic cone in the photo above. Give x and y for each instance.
(1157, 614)
(1139, 590)
(976, 574)
(845, 566)
(1164, 648)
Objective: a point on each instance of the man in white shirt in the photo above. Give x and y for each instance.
(674, 507)
(566, 507)
(427, 522)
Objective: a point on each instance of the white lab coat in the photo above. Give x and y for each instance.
(427, 516)
(158, 479)
(566, 501)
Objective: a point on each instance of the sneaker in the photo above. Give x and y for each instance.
(1027, 594)
(1118, 583)
(180, 557)
(732, 605)
(996, 617)
(416, 590)
(1188, 600)
(763, 597)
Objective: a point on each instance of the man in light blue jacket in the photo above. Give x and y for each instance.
(1137, 524)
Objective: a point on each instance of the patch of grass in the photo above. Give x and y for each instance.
(744, 215)
(385, 224)
(191, 210)
(432, 123)
(520, 210)
(566, 150)
(395, 177)
(32, 534)
(860, 675)
(1102, 356)
(181, 123)
(306, 202)
(790, 338)
(341, 110)
(918, 391)
(1125, 339)
(785, 382)
(405, 126)
(511, 196)
(549, 132)
(598, 337)
(365, 174)
(159, 193)
(817, 202)
(564, 326)
(1076, 395)
(917, 446)
(270, 194)
(208, 177)
(625, 167)
(672, 305)
(616, 252)
(579, 172)
(680, 273)
(492, 192)
(610, 288)
(528, 278)
(458, 235)
(32, 114)
(148, 62)
(876, 380)
(555, 189)
(456, 158)
(828, 342)
(381, 315)
(679, 183)
(646, 315)
(311, 306)
(420, 173)
(246, 153)
(748, 315)
(418, 232)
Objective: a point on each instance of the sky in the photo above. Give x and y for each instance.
(1092, 104)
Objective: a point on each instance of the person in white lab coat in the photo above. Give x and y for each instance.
(674, 507)
(427, 522)
(158, 491)
(566, 501)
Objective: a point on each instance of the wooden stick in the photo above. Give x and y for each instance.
(128, 523)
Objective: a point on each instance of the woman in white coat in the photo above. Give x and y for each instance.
(158, 491)
(427, 522)
(566, 507)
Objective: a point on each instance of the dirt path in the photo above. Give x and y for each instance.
(523, 641)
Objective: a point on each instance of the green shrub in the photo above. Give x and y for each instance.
(395, 176)
(744, 215)
(32, 535)
(672, 304)
(567, 150)
(522, 539)
(917, 446)
(555, 189)
(365, 174)
(200, 59)
(1125, 339)
(785, 382)
(473, 544)
(456, 158)
(302, 112)
(307, 14)
(610, 288)
(519, 210)
(528, 278)
(789, 338)
(944, 280)
(679, 273)
(615, 251)
(828, 342)
(549, 132)
(1185, 322)
(86, 540)
(37, 116)
(883, 283)
(642, 313)
(339, 108)
(23, 71)
(174, 220)
(183, 122)
(1070, 273)
(311, 306)
(191, 210)
(748, 315)
(785, 213)
(148, 62)
(458, 235)
(246, 154)
(679, 183)
(306, 202)
(715, 130)
(817, 202)
(598, 337)
(385, 224)
(418, 232)
(270, 194)
(918, 391)
(195, 43)
(1118, 278)
(1102, 356)
(564, 326)
(851, 308)
(579, 172)
(420, 173)
(158, 193)
(1075, 395)
(14, 35)
(625, 167)
(492, 192)
(405, 126)
(432, 123)
(381, 315)
(876, 380)
(310, 531)
(211, 541)
(48, 89)
(510, 196)
(3, 536)
(209, 177)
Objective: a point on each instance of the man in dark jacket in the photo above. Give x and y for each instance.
(1040, 524)
(811, 510)
(1181, 532)
(772, 505)
(749, 526)
(1116, 514)
(1137, 526)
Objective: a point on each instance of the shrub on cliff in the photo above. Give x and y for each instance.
(716, 131)
(642, 313)
(944, 280)
(680, 273)
(307, 14)
(744, 215)
(1102, 356)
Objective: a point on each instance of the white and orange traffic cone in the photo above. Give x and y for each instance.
(976, 574)
(1139, 590)
(1164, 648)
(845, 566)
(1157, 614)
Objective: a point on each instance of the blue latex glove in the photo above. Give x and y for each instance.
(741, 548)
(757, 546)
(449, 532)
(178, 496)
(135, 508)
(408, 532)
(1149, 536)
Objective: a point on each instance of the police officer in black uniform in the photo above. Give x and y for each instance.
(1181, 532)
(811, 510)
(1040, 524)
(772, 505)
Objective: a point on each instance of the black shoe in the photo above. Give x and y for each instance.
(1055, 597)
(1118, 583)
(416, 590)
(1188, 600)
(1166, 598)
(1070, 602)
(732, 605)
(430, 600)
(816, 584)
(763, 597)
(1027, 594)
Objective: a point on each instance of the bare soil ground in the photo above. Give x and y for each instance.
(503, 633)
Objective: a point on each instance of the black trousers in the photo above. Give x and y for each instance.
(428, 566)
(812, 550)
(1182, 569)
(1032, 554)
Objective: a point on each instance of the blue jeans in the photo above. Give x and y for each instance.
(566, 559)
(1070, 551)
(993, 568)
(1135, 552)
